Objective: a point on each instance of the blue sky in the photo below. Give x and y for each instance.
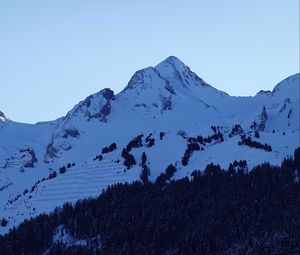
(55, 53)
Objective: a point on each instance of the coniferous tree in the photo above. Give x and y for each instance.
(145, 170)
(145, 174)
(4, 222)
(297, 157)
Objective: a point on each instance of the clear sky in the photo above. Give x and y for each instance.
(55, 53)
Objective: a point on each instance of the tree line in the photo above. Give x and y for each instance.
(215, 211)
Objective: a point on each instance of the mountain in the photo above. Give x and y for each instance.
(166, 111)
(2, 117)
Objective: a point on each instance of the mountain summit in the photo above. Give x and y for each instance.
(175, 70)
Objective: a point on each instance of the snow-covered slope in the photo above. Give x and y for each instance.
(166, 107)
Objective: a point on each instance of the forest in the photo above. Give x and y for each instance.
(215, 211)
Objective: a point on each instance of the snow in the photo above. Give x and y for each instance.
(62, 236)
(168, 97)
(288, 88)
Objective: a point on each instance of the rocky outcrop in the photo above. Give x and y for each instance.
(70, 132)
(96, 106)
(3, 117)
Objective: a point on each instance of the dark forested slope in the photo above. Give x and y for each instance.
(214, 212)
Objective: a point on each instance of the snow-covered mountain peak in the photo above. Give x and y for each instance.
(169, 71)
(173, 61)
(178, 74)
(264, 93)
(171, 74)
(170, 78)
(183, 79)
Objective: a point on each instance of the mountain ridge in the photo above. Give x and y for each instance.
(179, 66)
(166, 112)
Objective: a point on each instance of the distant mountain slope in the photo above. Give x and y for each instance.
(3, 117)
(166, 111)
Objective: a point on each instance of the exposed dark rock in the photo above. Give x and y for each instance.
(105, 111)
(72, 132)
(166, 103)
(108, 94)
(51, 152)
(170, 88)
(264, 92)
(136, 80)
(87, 101)
(2, 115)
(33, 159)
(141, 105)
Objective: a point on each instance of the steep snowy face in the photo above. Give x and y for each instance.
(283, 104)
(96, 106)
(149, 91)
(183, 79)
(180, 75)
